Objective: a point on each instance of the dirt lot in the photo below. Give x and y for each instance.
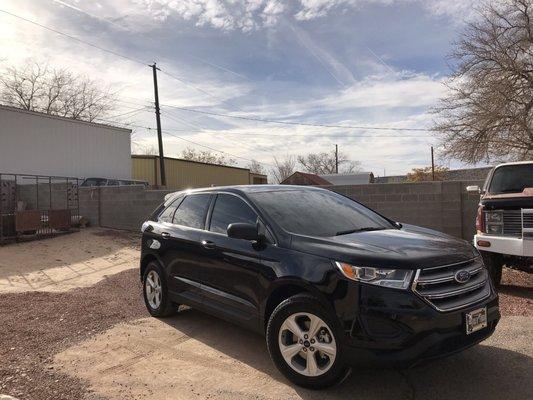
(88, 337)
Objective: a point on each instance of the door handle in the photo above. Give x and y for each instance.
(208, 244)
(165, 235)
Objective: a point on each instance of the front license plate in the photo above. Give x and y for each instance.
(476, 320)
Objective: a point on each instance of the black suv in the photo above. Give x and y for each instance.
(331, 283)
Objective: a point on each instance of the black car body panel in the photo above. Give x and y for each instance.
(239, 280)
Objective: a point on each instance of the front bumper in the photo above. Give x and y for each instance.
(513, 246)
(395, 328)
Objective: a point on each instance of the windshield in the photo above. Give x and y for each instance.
(318, 213)
(94, 182)
(511, 179)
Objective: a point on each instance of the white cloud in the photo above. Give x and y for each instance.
(247, 15)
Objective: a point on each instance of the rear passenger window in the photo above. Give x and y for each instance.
(228, 210)
(192, 211)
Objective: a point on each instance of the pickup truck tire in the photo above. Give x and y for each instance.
(494, 263)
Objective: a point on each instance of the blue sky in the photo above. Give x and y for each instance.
(370, 63)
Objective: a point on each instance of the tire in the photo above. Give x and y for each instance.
(494, 263)
(326, 370)
(158, 303)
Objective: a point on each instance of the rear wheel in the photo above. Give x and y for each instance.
(155, 292)
(303, 343)
(494, 263)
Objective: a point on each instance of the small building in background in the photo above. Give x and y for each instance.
(36, 143)
(183, 174)
(359, 178)
(305, 179)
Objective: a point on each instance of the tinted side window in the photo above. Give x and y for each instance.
(192, 211)
(229, 209)
(168, 213)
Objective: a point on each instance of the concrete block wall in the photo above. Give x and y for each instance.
(119, 207)
(443, 206)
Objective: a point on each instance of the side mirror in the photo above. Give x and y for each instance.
(473, 189)
(240, 230)
(399, 225)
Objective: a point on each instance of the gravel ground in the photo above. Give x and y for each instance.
(34, 326)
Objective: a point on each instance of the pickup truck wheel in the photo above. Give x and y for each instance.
(304, 343)
(494, 263)
(155, 292)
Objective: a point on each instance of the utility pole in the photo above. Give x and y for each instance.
(336, 159)
(432, 164)
(159, 134)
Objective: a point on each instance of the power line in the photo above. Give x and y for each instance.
(204, 129)
(256, 119)
(74, 38)
(273, 121)
(213, 149)
(109, 21)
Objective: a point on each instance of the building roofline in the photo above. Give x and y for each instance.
(78, 121)
(149, 156)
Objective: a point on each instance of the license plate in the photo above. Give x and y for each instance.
(476, 320)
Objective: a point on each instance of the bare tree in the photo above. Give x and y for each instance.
(488, 112)
(256, 167)
(324, 163)
(206, 156)
(283, 168)
(54, 91)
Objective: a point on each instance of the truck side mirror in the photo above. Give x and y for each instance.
(473, 189)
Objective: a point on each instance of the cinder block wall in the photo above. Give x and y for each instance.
(444, 206)
(124, 207)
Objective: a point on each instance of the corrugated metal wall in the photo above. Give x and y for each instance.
(182, 174)
(35, 143)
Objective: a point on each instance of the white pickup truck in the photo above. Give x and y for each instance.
(504, 219)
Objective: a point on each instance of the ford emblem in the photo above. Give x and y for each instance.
(462, 276)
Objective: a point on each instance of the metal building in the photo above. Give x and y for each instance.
(41, 144)
(183, 174)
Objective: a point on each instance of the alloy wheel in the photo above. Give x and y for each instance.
(307, 344)
(152, 286)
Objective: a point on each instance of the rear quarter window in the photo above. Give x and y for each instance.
(192, 211)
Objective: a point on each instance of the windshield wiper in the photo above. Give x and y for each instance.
(365, 229)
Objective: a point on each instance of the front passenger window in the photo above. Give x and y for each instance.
(228, 210)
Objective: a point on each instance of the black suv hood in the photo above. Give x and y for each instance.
(409, 247)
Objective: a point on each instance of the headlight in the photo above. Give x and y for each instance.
(494, 222)
(392, 278)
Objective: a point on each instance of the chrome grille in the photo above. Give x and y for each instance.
(515, 223)
(438, 286)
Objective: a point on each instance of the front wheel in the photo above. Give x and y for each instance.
(494, 263)
(303, 343)
(155, 292)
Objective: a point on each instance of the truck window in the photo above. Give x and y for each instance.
(511, 179)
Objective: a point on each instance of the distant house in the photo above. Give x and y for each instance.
(360, 178)
(305, 179)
